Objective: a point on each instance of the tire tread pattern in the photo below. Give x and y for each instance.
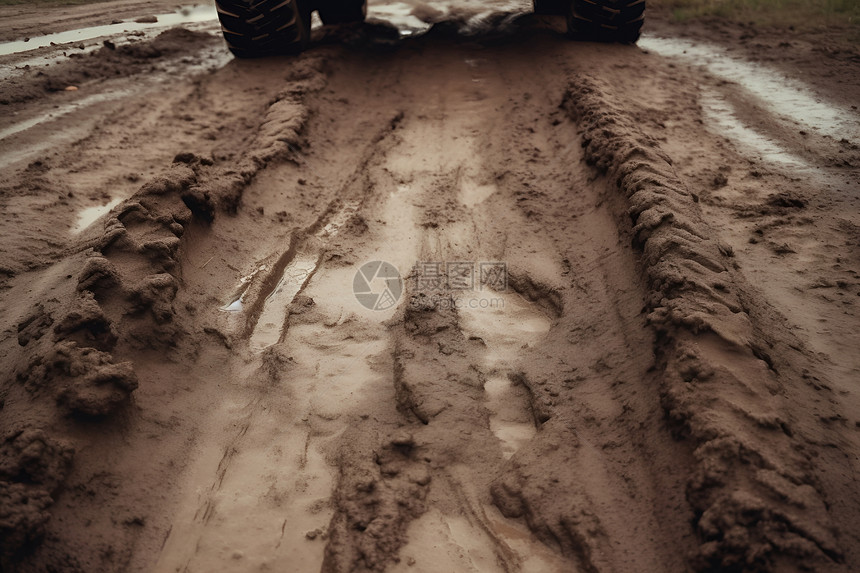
(606, 20)
(257, 28)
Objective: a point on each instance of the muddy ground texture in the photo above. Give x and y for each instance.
(664, 380)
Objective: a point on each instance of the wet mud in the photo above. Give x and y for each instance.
(410, 302)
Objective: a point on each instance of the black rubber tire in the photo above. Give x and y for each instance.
(342, 11)
(551, 7)
(606, 20)
(258, 28)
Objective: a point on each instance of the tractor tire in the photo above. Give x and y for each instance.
(258, 28)
(342, 11)
(606, 20)
(551, 7)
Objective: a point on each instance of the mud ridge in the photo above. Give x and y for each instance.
(121, 288)
(756, 500)
(110, 61)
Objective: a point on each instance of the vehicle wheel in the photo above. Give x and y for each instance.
(342, 11)
(606, 20)
(551, 7)
(256, 28)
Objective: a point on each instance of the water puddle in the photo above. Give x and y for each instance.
(237, 303)
(778, 93)
(183, 15)
(338, 288)
(721, 114)
(273, 317)
(506, 323)
(287, 285)
(395, 242)
(90, 215)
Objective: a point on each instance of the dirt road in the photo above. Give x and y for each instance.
(476, 298)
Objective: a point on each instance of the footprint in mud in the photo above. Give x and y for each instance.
(511, 421)
(473, 192)
(507, 323)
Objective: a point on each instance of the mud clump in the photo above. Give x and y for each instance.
(756, 503)
(529, 489)
(86, 324)
(84, 379)
(35, 326)
(107, 62)
(32, 467)
(380, 491)
(111, 298)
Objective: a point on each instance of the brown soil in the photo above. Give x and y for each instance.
(664, 380)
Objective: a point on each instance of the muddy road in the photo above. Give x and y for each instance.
(447, 292)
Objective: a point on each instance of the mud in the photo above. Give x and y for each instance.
(621, 334)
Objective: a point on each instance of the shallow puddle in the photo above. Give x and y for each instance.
(778, 93)
(721, 114)
(90, 215)
(534, 556)
(237, 303)
(338, 287)
(505, 321)
(272, 319)
(183, 15)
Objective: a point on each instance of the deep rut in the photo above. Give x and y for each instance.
(564, 369)
(446, 379)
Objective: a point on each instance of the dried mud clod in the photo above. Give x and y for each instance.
(756, 502)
